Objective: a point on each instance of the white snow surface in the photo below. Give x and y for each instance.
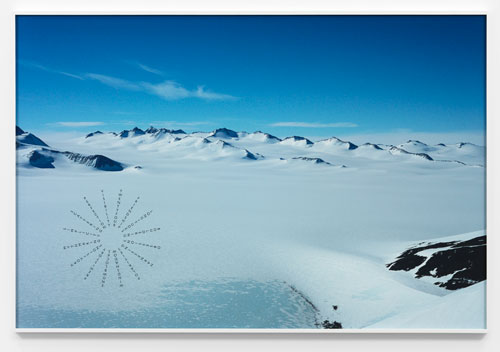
(325, 230)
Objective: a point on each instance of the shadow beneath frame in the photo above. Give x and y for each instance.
(259, 336)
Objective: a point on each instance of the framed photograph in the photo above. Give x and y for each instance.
(251, 173)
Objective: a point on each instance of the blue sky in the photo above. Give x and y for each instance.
(305, 75)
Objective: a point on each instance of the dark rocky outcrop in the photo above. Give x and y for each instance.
(224, 133)
(331, 325)
(39, 160)
(99, 162)
(313, 160)
(93, 134)
(464, 260)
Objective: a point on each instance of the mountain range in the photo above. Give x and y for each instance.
(223, 143)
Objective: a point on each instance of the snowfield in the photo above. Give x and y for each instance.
(254, 230)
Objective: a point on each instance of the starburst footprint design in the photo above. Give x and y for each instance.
(112, 239)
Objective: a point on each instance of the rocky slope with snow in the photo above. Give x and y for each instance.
(33, 152)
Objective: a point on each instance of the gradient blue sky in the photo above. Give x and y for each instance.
(306, 75)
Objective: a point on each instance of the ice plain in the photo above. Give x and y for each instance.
(321, 219)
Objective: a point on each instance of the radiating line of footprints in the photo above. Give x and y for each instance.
(111, 254)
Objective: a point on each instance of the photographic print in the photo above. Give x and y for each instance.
(284, 172)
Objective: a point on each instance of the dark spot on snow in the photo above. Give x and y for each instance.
(333, 325)
(251, 156)
(451, 161)
(314, 160)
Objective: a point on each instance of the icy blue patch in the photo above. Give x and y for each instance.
(193, 304)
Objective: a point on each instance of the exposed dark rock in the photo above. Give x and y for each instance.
(314, 160)
(403, 151)
(298, 138)
(352, 146)
(177, 132)
(151, 129)
(136, 132)
(468, 264)
(99, 162)
(333, 325)
(19, 131)
(93, 134)
(451, 161)
(166, 130)
(224, 133)
(251, 156)
(466, 260)
(425, 156)
(268, 136)
(28, 138)
(409, 258)
(123, 134)
(42, 161)
(374, 146)
(220, 143)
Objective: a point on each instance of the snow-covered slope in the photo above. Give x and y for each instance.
(33, 152)
(239, 214)
(333, 144)
(467, 153)
(259, 136)
(179, 144)
(28, 138)
(296, 141)
(464, 309)
(224, 133)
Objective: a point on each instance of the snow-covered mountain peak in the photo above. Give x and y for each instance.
(222, 144)
(296, 141)
(400, 151)
(136, 131)
(334, 141)
(370, 146)
(224, 133)
(92, 134)
(24, 138)
(415, 141)
(151, 130)
(259, 136)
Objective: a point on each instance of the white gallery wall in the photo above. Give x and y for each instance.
(12, 341)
